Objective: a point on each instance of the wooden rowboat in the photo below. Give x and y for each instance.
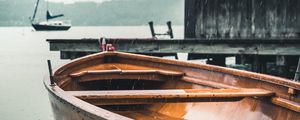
(116, 85)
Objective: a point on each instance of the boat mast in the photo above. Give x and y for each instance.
(47, 11)
(35, 10)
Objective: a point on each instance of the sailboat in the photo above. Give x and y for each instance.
(49, 24)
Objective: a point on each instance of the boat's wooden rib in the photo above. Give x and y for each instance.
(95, 75)
(286, 103)
(146, 115)
(99, 72)
(176, 95)
(207, 83)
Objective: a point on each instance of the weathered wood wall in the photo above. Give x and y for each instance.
(242, 18)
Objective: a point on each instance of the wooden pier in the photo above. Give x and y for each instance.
(262, 35)
(173, 46)
(257, 52)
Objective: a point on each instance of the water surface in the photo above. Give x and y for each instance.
(23, 55)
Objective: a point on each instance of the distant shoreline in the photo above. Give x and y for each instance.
(162, 25)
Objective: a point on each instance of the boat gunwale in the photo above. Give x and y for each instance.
(95, 111)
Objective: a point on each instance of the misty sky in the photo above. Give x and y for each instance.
(95, 12)
(73, 1)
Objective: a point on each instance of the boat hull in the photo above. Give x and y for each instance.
(39, 27)
(118, 68)
(65, 107)
(247, 109)
(64, 111)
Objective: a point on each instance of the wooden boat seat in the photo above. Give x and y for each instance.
(286, 103)
(122, 97)
(154, 75)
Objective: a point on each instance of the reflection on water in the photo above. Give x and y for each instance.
(23, 65)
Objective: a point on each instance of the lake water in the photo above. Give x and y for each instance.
(23, 55)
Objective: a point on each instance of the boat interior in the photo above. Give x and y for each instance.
(142, 87)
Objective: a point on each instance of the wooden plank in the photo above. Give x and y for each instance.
(244, 19)
(288, 46)
(99, 72)
(286, 103)
(166, 96)
(155, 75)
(207, 83)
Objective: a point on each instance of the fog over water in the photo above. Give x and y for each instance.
(74, 1)
(24, 52)
(94, 12)
(23, 65)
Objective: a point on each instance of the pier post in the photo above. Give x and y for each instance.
(50, 73)
(170, 31)
(152, 29)
(297, 74)
(219, 60)
(281, 63)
